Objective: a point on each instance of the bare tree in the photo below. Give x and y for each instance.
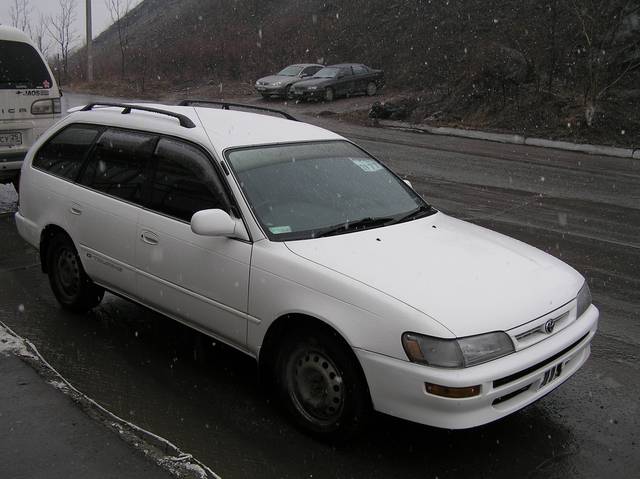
(607, 52)
(20, 12)
(118, 9)
(60, 27)
(39, 34)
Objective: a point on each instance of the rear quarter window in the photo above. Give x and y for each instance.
(63, 154)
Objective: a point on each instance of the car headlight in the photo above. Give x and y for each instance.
(456, 353)
(278, 83)
(313, 88)
(584, 299)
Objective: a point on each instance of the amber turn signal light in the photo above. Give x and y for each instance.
(454, 393)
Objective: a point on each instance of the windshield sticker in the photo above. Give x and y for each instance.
(367, 165)
(278, 230)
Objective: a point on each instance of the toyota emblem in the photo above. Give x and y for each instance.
(549, 325)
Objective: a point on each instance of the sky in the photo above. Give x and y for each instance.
(100, 14)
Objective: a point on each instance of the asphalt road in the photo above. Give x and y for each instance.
(205, 397)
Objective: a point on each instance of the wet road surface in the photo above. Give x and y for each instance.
(205, 397)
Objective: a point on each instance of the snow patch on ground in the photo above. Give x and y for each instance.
(59, 385)
(10, 344)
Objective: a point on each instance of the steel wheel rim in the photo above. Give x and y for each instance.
(328, 94)
(315, 386)
(68, 273)
(371, 89)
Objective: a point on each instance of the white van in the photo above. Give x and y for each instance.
(29, 100)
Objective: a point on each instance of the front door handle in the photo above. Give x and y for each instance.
(75, 209)
(149, 238)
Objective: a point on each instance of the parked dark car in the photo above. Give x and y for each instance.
(343, 79)
(280, 83)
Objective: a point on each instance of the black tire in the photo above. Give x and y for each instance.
(321, 386)
(287, 93)
(329, 94)
(70, 284)
(372, 88)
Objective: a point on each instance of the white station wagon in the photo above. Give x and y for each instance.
(295, 246)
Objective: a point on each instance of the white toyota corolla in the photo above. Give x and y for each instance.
(297, 247)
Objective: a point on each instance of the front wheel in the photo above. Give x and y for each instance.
(371, 89)
(329, 94)
(321, 385)
(73, 289)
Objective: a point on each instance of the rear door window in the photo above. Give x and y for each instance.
(360, 70)
(64, 153)
(22, 67)
(185, 181)
(118, 164)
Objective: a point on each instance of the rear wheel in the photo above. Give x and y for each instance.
(329, 94)
(371, 89)
(70, 284)
(321, 385)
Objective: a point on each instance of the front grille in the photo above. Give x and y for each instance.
(537, 334)
(511, 395)
(520, 374)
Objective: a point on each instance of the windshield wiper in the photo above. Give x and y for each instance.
(362, 224)
(420, 212)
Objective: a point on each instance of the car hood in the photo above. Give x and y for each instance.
(275, 78)
(313, 82)
(469, 279)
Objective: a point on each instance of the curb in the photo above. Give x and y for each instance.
(516, 139)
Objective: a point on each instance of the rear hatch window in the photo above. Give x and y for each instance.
(21, 67)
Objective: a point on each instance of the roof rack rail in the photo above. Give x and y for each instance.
(225, 106)
(185, 121)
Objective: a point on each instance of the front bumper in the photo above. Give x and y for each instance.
(307, 94)
(506, 385)
(271, 90)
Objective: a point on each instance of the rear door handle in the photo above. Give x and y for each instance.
(149, 238)
(75, 209)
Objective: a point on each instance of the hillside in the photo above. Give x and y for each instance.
(502, 64)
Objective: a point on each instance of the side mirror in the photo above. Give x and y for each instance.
(408, 183)
(213, 223)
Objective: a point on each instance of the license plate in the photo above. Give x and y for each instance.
(10, 139)
(551, 374)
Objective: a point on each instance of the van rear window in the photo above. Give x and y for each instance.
(21, 67)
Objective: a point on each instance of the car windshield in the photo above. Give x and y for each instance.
(327, 73)
(307, 190)
(290, 71)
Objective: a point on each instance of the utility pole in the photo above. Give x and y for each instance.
(89, 41)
